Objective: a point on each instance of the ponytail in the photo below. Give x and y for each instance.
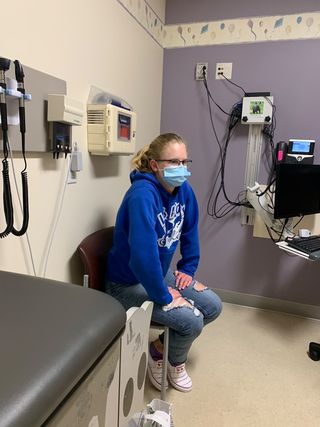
(141, 160)
(153, 151)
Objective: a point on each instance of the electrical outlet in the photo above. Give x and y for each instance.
(200, 71)
(72, 177)
(223, 69)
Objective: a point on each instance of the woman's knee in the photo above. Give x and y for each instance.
(189, 322)
(214, 307)
(211, 303)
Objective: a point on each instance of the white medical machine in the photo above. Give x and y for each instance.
(63, 109)
(63, 113)
(257, 111)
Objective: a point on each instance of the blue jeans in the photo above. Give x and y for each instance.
(185, 323)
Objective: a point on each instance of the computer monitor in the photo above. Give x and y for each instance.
(297, 190)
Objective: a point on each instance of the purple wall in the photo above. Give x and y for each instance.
(231, 258)
(178, 11)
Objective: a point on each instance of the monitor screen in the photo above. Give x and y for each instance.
(297, 190)
(301, 146)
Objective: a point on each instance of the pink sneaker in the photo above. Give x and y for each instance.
(179, 377)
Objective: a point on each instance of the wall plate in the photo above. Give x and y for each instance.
(223, 69)
(199, 70)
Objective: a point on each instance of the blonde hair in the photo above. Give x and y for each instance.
(153, 151)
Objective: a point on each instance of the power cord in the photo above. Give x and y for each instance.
(54, 227)
(233, 83)
(219, 189)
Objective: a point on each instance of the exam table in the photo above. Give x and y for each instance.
(60, 344)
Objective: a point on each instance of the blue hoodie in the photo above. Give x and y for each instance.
(150, 223)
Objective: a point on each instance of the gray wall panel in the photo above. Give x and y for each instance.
(39, 84)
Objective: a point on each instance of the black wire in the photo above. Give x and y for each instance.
(230, 81)
(212, 124)
(234, 119)
(7, 200)
(298, 222)
(24, 179)
(218, 189)
(211, 97)
(25, 201)
(269, 131)
(270, 234)
(230, 205)
(267, 188)
(23, 149)
(284, 226)
(222, 158)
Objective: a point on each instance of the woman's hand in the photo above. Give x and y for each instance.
(174, 292)
(183, 280)
(178, 300)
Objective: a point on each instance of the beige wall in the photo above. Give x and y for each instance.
(86, 43)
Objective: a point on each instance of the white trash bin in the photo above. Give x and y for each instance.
(157, 414)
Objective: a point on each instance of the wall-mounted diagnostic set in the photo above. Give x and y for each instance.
(111, 130)
(16, 94)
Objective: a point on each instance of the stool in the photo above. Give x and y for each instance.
(165, 329)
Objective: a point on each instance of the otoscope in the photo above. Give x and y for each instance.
(7, 199)
(24, 179)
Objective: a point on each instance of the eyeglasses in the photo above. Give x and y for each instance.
(175, 162)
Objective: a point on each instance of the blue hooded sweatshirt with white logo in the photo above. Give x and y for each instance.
(150, 223)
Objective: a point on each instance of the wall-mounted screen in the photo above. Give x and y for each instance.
(297, 190)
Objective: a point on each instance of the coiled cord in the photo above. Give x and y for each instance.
(25, 204)
(7, 200)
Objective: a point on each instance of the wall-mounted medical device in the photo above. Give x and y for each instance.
(63, 109)
(63, 112)
(257, 109)
(297, 151)
(111, 130)
(257, 112)
(15, 91)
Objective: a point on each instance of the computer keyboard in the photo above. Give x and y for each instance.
(309, 245)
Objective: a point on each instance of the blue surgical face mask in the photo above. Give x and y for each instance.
(175, 176)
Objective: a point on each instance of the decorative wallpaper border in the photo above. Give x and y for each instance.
(248, 30)
(143, 13)
(231, 31)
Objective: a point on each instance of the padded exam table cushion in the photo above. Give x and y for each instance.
(51, 334)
